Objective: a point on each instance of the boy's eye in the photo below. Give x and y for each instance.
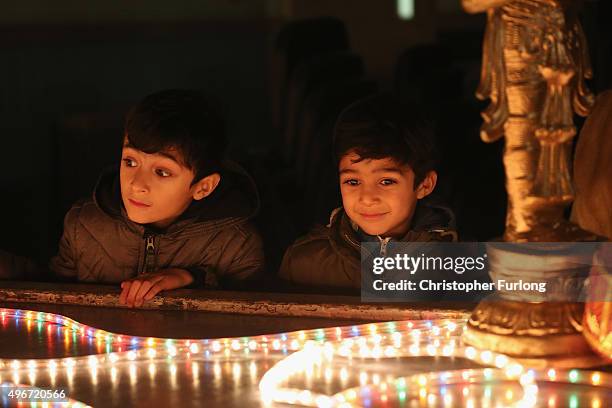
(387, 182)
(162, 173)
(351, 182)
(129, 162)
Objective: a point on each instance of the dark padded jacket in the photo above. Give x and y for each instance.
(330, 256)
(213, 238)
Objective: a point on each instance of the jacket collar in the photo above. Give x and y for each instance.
(427, 218)
(234, 200)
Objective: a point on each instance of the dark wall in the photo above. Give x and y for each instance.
(53, 73)
(68, 62)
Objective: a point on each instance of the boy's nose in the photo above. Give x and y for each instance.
(139, 182)
(367, 196)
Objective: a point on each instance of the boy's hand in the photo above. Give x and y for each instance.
(145, 287)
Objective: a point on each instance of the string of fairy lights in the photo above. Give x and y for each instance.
(301, 352)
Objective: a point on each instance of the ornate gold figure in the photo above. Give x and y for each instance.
(534, 66)
(533, 71)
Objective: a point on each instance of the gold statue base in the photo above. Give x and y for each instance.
(555, 340)
(542, 329)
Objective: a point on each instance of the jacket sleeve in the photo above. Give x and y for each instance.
(63, 265)
(242, 258)
(315, 263)
(14, 267)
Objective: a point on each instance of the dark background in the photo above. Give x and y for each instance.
(70, 70)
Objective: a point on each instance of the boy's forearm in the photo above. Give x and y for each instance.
(197, 276)
(247, 263)
(62, 270)
(179, 277)
(63, 266)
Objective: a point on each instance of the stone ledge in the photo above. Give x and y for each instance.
(250, 303)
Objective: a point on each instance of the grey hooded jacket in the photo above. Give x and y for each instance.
(331, 256)
(213, 238)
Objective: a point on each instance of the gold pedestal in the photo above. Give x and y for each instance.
(536, 334)
(539, 329)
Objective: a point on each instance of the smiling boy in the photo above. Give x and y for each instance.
(174, 214)
(386, 164)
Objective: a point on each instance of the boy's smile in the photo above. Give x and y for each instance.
(138, 203)
(373, 216)
(379, 195)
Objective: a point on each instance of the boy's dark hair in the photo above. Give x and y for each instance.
(179, 119)
(379, 127)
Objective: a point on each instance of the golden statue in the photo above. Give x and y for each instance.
(534, 65)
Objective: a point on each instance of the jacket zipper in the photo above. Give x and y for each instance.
(383, 245)
(148, 264)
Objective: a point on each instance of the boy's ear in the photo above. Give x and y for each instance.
(205, 186)
(427, 185)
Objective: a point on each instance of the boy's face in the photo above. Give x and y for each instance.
(157, 188)
(379, 195)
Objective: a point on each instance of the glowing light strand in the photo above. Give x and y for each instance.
(315, 347)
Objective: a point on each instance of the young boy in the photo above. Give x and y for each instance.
(174, 214)
(386, 161)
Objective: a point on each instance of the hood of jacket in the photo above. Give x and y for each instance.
(428, 220)
(234, 200)
(430, 216)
